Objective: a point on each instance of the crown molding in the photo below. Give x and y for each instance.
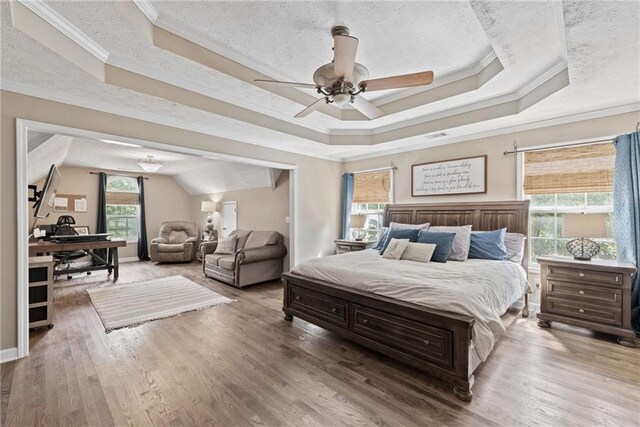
(537, 124)
(163, 76)
(148, 9)
(56, 20)
(36, 92)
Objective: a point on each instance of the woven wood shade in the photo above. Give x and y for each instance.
(122, 198)
(372, 187)
(581, 169)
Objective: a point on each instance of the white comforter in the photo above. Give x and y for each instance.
(482, 289)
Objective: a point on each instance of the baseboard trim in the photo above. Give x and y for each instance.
(129, 259)
(8, 354)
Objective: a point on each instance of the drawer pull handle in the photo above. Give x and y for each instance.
(297, 297)
(334, 310)
(365, 321)
(617, 278)
(581, 292)
(581, 310)
(426, 342)
(581, 274)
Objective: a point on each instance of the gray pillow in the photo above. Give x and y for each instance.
(421, 252)
(515, 246)
(461, 243)
(395, 248)
(424, 226)
(226, 246)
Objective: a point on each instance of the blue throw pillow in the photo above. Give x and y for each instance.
(400, 233)
(443, 242)
(383, 238)
(488, 245)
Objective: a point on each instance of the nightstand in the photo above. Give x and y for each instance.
(592, 294)
(344, 245)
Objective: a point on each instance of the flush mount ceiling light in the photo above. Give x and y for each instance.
(342, 80)
(149, 165)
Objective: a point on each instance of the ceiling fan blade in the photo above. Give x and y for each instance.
(292, 84)
(344, 56)
(366, 107)
(396, 82)
(311, 108)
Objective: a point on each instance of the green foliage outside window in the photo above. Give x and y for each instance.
(122, 220)
(545, 222)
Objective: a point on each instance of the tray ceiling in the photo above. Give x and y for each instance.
(191, 65)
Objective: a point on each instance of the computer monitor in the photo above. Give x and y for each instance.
(46, 197)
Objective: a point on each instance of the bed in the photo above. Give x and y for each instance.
(447, 337)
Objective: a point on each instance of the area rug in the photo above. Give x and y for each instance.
(132, 304)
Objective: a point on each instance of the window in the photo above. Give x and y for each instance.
(371, 193)
(545, 222)
(575, 179)
(122, 207)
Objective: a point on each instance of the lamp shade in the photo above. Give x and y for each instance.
(584, 225)
(208, 206)
(358, 221)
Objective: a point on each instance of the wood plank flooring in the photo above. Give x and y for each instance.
(241, 364)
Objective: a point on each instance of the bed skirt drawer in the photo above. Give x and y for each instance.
(323, 306)
(580, 275)
(417, 339)
(579, 293)
(576, 309)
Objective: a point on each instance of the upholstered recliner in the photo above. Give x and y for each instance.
(258, 258)
(178, 242)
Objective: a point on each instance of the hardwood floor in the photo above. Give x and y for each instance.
(242, 364)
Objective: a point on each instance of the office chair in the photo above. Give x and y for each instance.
(64, 227)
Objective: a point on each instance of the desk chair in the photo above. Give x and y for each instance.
(65, 228)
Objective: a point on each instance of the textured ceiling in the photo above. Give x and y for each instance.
(293, 38)
(599, 41)
(196, 175)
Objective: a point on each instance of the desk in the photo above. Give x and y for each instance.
(110, 264)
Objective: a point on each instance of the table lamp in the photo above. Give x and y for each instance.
(210, 207)
(582, 227)
(357, 224)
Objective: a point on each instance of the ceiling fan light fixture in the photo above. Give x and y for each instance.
(149, 165)
(341, 98)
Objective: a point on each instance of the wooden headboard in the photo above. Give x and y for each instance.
(483, 216)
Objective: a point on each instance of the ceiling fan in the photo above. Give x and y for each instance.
(343, 79)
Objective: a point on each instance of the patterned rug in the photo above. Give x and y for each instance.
(132, 304)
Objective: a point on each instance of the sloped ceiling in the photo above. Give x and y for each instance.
(191, 64)
(196, 175)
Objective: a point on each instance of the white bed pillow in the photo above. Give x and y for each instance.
(424, 226)
(515, 246)
(421, 252)
(461, 243)
(395, 248)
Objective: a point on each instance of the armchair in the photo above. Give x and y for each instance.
(258, 258)
(178, 242)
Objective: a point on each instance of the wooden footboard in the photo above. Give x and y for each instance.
(434, 341)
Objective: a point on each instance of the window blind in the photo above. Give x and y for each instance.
(372, 187)
(122, 198)
(580, 169)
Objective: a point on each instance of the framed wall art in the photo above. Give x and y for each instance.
(450, 177)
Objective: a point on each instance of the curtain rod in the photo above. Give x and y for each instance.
(575, 144)
(119, 174)
(392, 167)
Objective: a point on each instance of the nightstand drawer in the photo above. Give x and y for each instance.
(583, 275)
(578, 293)
(579, 310)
